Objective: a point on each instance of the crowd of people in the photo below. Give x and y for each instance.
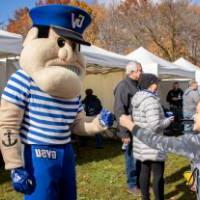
(137, 95)
(183, 105)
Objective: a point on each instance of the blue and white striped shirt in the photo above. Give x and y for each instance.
(46, 119)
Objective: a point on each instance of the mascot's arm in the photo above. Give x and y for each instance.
(10, 121)
(87, 125)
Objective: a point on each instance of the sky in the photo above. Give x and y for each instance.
(7, 7)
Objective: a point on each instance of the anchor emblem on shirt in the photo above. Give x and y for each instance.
(9, 142)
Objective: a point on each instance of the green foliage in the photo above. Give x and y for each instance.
(101, 175)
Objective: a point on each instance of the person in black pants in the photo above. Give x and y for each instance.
(157, 168)
(175, 100)
(92, 106)
(187, 145)
(147, 112)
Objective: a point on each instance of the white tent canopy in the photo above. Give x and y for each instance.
(185, 64)
(98, 57)
(161, 67)
(164, 69)
(10, 44)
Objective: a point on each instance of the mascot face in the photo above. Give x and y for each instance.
(54, 63)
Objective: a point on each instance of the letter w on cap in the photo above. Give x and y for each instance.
(77, 21)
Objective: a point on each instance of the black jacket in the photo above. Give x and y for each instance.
(123, 93)
(92, 105)
(175, 93)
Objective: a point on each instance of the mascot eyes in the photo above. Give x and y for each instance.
(61, 42)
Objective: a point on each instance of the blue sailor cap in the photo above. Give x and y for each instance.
(68, 21)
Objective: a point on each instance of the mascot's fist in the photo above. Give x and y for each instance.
(106, 118)
(21, 181)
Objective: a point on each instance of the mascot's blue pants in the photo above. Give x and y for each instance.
(53, 168)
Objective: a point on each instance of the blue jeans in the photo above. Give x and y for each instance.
(131, 167)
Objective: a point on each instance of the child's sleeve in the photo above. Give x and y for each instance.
(165, 123)
(182, 145)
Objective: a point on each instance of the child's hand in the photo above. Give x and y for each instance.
(126, 140)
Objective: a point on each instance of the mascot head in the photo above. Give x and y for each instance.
(51, 53)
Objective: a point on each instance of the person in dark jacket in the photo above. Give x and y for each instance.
(174, 96)
(175, 100)
(123, 93)
(92, 106)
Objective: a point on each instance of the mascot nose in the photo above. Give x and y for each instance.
(66, 53)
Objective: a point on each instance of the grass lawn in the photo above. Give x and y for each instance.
(101, 175)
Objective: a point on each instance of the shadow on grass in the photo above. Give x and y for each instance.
(177, 175)
(184, 189)
(4, 175)
(187, 194)
(89, 153)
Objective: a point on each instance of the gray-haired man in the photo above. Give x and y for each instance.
(124, 92)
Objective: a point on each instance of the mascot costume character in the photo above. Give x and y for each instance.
(41, 105)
